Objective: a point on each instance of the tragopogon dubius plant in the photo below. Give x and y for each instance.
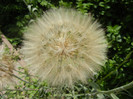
(64, 47)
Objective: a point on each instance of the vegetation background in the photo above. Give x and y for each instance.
(116, 17)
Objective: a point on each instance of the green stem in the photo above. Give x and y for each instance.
(127, 57)
(18, 78)
(121, 88)
(115, 90)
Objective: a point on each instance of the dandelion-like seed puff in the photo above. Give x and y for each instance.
(64, 47)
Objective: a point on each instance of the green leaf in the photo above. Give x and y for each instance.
(100, 96)
(113, 96)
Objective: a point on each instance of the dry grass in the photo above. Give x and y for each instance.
(6, 68)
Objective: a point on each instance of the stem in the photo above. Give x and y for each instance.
(12, 50)
(127, 57)
(18, 78)
(20, 89)
(12, 75)
(121, 88)
(115, 90)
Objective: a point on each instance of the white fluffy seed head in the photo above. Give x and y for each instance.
(64, 46)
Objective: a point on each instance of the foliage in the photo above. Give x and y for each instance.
(114, 15)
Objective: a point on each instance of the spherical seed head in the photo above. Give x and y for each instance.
(64, 46)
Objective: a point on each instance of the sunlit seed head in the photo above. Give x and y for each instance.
(64, 47)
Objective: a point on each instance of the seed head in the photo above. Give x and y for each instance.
(64, 46)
